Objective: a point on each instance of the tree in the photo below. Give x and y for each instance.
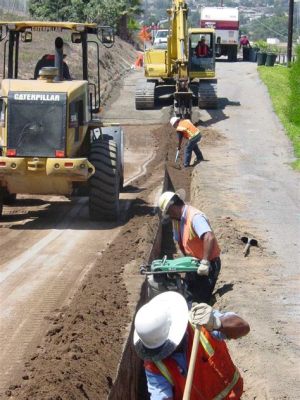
(108, 12)
(49, 9)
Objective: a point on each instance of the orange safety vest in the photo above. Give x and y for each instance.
(215, 375)
(187, 129)
(189, 242)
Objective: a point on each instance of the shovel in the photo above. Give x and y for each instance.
(177, 155)
(175, 165)
(249, 242)
(190, 374)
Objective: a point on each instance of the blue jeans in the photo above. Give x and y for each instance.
(192, 146)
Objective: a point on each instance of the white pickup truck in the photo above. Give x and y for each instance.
(161, 38)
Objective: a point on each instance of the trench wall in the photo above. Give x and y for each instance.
(130, 380)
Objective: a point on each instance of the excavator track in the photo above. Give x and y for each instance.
(207, 94)
(145, 95)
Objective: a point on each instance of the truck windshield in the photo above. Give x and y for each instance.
(161, 34)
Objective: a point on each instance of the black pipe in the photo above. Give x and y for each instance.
(290, 32)
(4, 58)
(59, 55)
(10, 71)
(98, 73)
(85, 73)
(17, 38)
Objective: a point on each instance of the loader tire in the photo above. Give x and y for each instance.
(105, 183)
(1, 203)
(9, 199)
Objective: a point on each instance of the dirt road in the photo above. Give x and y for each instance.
(48, 245)
(239, 186)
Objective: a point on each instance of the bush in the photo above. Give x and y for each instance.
(262, 45)
(294, 83)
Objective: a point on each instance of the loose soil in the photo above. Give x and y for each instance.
(79, 355)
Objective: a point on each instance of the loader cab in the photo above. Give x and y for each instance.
(50, 141)
(79, 38)
(201, 53)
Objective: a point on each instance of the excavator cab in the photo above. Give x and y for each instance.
(201, 53)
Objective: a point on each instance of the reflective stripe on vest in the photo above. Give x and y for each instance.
(206, 345)
(188, 129)
(228, 389)
(164, 371)
(210, 351)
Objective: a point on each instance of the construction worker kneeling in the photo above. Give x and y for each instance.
(163, 338)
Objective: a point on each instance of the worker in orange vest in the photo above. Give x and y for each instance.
(163, 337)
(195, 237)
(186, 129)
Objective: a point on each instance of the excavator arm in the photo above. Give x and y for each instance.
(178, 58)
(178, 40)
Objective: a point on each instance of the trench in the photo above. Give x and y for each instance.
(130, 383)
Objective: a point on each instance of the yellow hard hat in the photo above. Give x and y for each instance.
(166, 200)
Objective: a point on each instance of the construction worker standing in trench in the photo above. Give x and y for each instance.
(186, 129)
(192, 231)
(163, 338)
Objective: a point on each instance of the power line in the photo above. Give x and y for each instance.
(270, 29)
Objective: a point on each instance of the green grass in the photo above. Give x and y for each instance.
(278, 82)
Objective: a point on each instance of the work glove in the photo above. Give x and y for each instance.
(203, 268)
(203, 315)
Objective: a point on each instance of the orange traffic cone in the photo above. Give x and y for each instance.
(139, 62)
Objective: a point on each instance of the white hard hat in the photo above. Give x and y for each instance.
(173, 120)
(160, 326)
(165, 200)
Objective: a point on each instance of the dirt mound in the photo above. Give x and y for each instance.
(114, 62)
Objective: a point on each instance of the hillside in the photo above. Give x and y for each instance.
(114, 62)
(259, 19)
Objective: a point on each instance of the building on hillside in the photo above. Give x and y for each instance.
(273, 41)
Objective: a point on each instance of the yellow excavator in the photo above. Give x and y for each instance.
(51, 141)
(180, 70)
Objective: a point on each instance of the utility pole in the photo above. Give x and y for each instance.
(290, 32)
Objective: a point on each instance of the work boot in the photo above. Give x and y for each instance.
(198, 161)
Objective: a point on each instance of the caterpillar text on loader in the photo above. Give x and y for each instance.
(179, 71)
(50, 141)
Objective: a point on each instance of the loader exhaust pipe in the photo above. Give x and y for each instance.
(59, 56)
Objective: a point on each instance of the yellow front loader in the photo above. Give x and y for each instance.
(177, 71)
(50, 141)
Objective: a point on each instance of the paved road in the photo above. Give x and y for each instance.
(249, 179)
(262, 157)
(123, 108)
